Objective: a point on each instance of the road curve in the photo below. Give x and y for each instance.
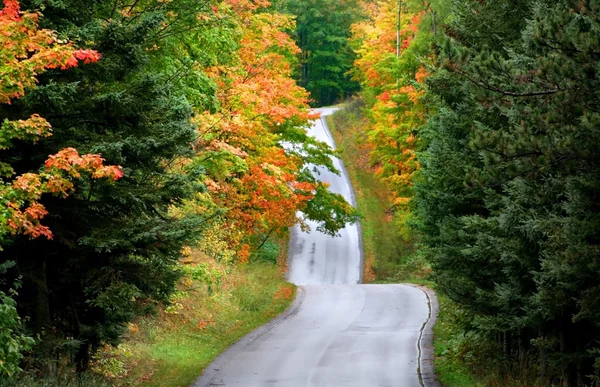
(337, 333)
(316, 258)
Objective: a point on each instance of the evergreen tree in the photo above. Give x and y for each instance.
(115, 247)
(509, 185)
(322, 33)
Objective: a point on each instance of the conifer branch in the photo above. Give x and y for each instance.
(487, 86)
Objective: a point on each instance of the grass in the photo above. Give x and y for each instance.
(472, 360)
(173, 348)
(67, 379)
(451, 371)
(389, 252)
(390, 257)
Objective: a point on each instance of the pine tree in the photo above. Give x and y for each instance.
(322, 33)
(115, 246)
(509, 185)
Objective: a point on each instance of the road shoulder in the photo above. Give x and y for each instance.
(211, 374)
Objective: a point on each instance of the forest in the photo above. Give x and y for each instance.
(132, 130)
(482, 119)
(138, 135)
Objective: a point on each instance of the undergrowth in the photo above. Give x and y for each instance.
(173, 348)
(217, 304)
(462, 360)
(467, 358)
(389, 250)
(390, 255)
(66, 379)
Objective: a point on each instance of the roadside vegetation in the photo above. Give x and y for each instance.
(153, 158)
(481, 120)
(204, 319)
(215, 305)
(388, 248)
(391, 257)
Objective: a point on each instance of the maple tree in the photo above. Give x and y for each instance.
(261, 181)
(195, 101)
(129, 108)
(393, 78)
(26, 52)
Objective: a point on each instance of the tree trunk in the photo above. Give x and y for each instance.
(42, 320)
(543, 362)
(506, 345)
(579, 367)
(398, 28)
(42, 299)
(264, 240)
(522, 349)
(82, 358)
(563, 350)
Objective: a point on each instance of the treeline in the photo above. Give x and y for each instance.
(322, 32)
(485, 124)
(130, 130)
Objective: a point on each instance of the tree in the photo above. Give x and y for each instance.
(322, 32)
(29, 51)
(507, 197)
(393, 88)
(26, 52)
(194, 101)
(115, 245)
(254, 147)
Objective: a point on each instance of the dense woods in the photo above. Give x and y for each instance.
(484, 122)
(180, 110)
(508, 195)
(132, 130)
(322, 30)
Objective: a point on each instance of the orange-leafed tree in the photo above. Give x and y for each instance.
(26, 52)
(257, 171)
(258, 185)
(393, 78)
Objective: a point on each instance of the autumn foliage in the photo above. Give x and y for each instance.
(195, 102)
(393, 88)
(253, 176)
(26, 52)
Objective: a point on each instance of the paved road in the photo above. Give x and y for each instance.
(337, 333)
(316, 258)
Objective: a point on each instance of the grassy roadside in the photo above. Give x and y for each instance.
(450, 370)
(173, 348)
(389, 257)
(389, 253)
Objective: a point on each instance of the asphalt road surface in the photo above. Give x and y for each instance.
(316, 258)
(337, 333)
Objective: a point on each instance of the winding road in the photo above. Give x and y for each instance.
(316, 258)
(337, 333)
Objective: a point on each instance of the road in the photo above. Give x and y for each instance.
(316, 258)
(337, 333)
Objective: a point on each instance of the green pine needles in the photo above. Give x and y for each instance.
(508, 197)
(322, 33)
(116, 247)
